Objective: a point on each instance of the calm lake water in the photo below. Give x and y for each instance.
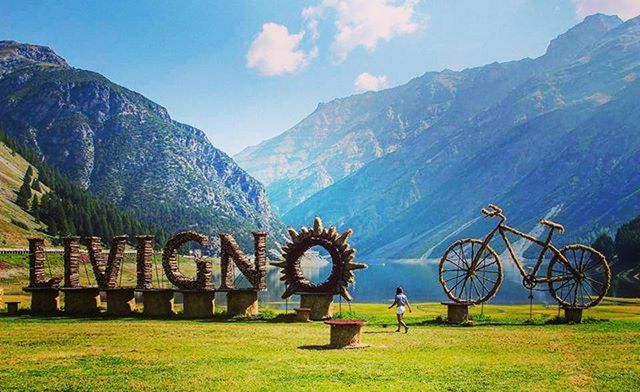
(419, 278)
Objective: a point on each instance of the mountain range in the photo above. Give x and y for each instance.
(409, 168)
(125, 148)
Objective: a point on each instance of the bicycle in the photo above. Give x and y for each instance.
(471, 271)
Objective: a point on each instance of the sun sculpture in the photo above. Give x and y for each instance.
(342, 257)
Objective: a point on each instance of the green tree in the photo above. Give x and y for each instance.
(628, 243)
(605, 245)
(28, 174)
(36, 185)
(35, 207)
(24, 194)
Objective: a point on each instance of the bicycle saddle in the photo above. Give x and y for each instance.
(552, 225)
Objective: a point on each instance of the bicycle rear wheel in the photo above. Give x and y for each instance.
(584, 289)
(463, 284)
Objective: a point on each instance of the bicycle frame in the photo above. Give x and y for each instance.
(502, 229)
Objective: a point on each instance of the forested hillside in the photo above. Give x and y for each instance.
(623, 253)
(126, 149)
(53, 205)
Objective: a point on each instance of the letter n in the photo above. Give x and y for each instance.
(254, 272)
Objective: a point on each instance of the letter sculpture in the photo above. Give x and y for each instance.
(106, 270)
(144, 259)
(71, 261)
(342, 256)
(170, 263)
(37, 268)
(255, 272)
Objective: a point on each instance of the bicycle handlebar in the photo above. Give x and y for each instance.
(493, 210)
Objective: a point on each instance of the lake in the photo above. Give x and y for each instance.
(419, 278)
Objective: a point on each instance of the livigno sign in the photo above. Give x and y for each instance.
(198, 292)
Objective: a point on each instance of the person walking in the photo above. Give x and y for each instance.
(401, 301)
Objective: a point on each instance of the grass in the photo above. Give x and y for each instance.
(502, 350)
(499, 352)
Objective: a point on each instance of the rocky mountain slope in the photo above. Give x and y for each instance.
(342, 136)
(126, 148)
(552, 136)
(16, 225)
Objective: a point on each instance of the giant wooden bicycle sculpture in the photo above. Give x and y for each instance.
(471, 272)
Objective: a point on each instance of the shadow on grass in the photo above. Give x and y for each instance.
(268, 316)
(318, 347)
(323, 347)
(378, 332)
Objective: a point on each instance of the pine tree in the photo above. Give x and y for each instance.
(24, 194)
(604, 244)
(35, 207)
(628, 243)
(28, 175)
(36, 185)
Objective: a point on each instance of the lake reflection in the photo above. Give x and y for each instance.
(419, 278)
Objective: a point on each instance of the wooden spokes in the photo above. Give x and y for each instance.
(583, 282)
(462, 281)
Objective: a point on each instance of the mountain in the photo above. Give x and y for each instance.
(342, 136)
(16, 225)
(554, 136)
(38, 201)
(125, 148)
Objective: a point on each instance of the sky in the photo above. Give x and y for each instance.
(246, 71)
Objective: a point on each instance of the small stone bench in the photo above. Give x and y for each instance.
(302, 314)
(457, 312)
(573, 315)
(345, 333)
(12, 307)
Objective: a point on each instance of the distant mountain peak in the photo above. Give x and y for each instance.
(568, 45)
(15, 55)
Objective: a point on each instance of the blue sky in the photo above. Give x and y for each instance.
(244, 71)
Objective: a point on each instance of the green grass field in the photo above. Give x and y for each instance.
(500, 351)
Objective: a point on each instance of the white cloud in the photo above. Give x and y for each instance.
(276, 52)
(367, 82)
(366, 22)
(625, 9)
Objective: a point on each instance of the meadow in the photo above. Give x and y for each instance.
(500, 350)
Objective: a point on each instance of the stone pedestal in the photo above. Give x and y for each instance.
(321, 305)
(121, 301)
(302, 314)
(573, 315)
(198, 303)
(81, 300)
(44, 301)
(12, 307)
(242, 302)
(157, 302)
(345, 333)
(457, 313)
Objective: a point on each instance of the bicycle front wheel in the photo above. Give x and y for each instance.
(584, 288)
(464, 283)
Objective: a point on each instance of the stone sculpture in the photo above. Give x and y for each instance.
(254, 272)
(342, 257)
(106, 269)
(172, 270)
(37, 273)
